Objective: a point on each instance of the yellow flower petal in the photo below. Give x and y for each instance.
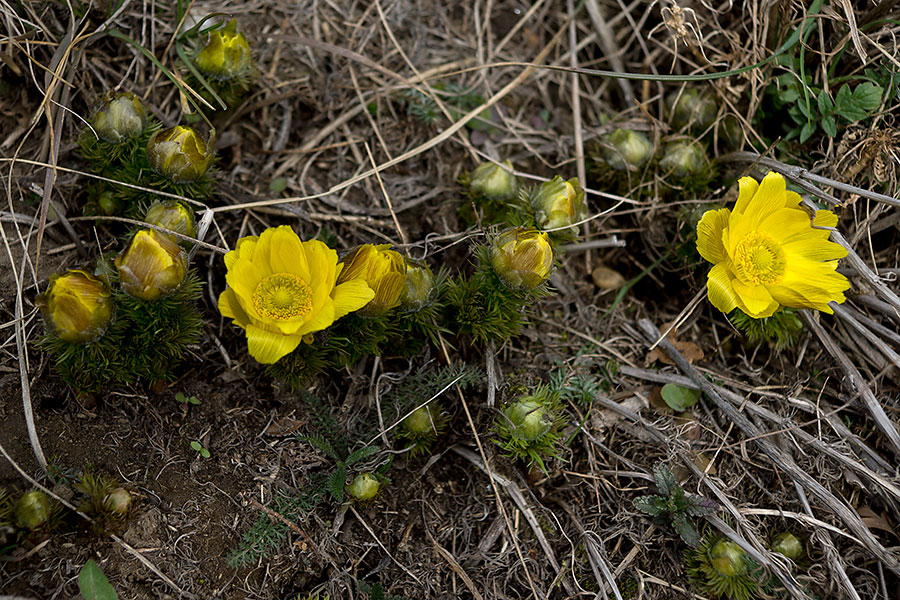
(784, 223)
(814, 250)
(756, 299)
(350, 296)
(320, 321)
(709, 235)
(268, 347)
(768, 198)
(748, 187)
(231, 308)
(720, 289)
(287, 253)
(825, 218)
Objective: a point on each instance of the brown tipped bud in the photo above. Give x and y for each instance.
(77, 306)
(558, 203)
(494, 181)
(383, 270)
(172, 215)
(121, 116)
(180, 154)
(152, 266)
(226, 56)
(522, 257)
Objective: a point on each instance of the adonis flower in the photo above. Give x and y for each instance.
(768, 252)
(383, 270)
(281, 289)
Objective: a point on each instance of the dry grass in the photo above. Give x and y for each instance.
(804, 440)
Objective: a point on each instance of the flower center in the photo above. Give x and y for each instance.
(282, 296)
(758, 259)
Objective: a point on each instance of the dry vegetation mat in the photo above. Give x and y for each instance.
(490, 300)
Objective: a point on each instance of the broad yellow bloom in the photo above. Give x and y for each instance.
(383, 270)
(281, 289)
(768, 252)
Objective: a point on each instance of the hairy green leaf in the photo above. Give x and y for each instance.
(665, 479)
(686, 529)
(651, 505)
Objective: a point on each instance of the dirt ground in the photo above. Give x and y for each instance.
(799, 439)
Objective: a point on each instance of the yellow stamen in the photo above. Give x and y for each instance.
(759, 259)
(282, 296)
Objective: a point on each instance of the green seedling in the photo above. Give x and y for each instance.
(675, 507)
(93, 584)
(181, 398)
(200, 449)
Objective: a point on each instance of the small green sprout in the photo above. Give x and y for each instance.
(528, 428)
(675, 507)
(200, 449)
(181, 398)
(722, 569)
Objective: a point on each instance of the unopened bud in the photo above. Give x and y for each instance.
(495, 182)
(180, 154)
(522, 257)
(383, 270)
(227, 55)
(364, 487)
(32, 510)
(120, 117)
(77, 306)
(683, 158)
(172, 215)
(691, 107)
(625, 149)
(558, 203)
(419, 287)
(152, 266)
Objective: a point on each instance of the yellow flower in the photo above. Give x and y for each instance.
(172, 215)
(558, 203)
(227, 55)
(768, 252)
(152, 266)
(384, 271)
(77, 305)
(522, 257)
(281, 289)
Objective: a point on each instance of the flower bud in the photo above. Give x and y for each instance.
(109, 203)
(787, 544)
(424, 423)
(172, 215)
(32, 510)
(382, 269)
(683, 158)
(77, 306)
(364, 487)
(691, 107)
(152, 266)
(180, 154)
(522, 257)
(419, 287)
(495, 182)
(728, 558)
(226, 56)
(558, 203)
(529, 418)
(120, 117)
(118, 501)
(625, 149)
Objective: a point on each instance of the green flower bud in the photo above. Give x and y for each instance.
(180, 154)
(364, 487)
(495, 182)
(77, 306)
(33, 510)
(626, 149)
(226, 56)
(172, 215)
(109, 203)
(120, 117)
(558, 203)
(424, 423)
(787, 544)
(118, 501)
(691, 107)
(728, 559)
(383, 270)
(522, 257)
(529, 418)
(683, 158)
(419, 287)
(152, 266)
